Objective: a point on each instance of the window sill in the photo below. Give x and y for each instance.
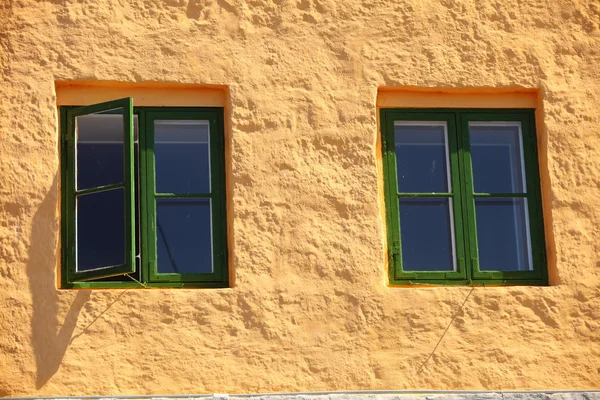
(465, 283)
(146, 286)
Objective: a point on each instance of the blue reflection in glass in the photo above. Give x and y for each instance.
(101, 229)
(421, 158)
(497, 158)
(184, 236)
(502, 234)
(99, 149)
(426, 234)
(182, 156)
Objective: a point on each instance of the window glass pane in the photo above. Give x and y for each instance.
(427, 234)
(182, 156)
(101, 229)
(503, 234)
(99, 149)
(184, 236)
(422, 157)
(497, 157)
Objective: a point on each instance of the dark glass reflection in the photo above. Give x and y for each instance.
(502, 234)
(137, 274)
(184, 236)
(99, 149)
(426, 234)
(101, 229)
(182, 157)
(497, 158)
(421, 158)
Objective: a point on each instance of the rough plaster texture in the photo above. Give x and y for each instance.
(310, 309)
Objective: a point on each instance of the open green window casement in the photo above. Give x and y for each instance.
(463, 202)
(143, 197)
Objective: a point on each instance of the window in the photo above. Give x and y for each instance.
(463, 197)
(143, 196)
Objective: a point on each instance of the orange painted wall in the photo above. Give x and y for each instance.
(301, 82)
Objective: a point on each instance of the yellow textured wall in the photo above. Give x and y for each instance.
(310, 308)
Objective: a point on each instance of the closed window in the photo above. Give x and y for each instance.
(143, 196)
(463, 197)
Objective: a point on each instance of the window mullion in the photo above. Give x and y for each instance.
(151, 230)
(468, 202)
(457, 197)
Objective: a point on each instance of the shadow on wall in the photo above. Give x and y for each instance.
(50, 339)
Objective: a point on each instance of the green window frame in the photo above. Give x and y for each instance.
(139, 186)
(462, 198)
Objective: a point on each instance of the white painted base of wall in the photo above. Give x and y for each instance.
(366, 395)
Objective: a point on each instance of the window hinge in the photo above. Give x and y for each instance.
(395, 250)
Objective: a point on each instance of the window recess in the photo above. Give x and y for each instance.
(462, 197)
(143, 196)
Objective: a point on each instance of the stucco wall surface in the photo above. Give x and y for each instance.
(310, 308)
